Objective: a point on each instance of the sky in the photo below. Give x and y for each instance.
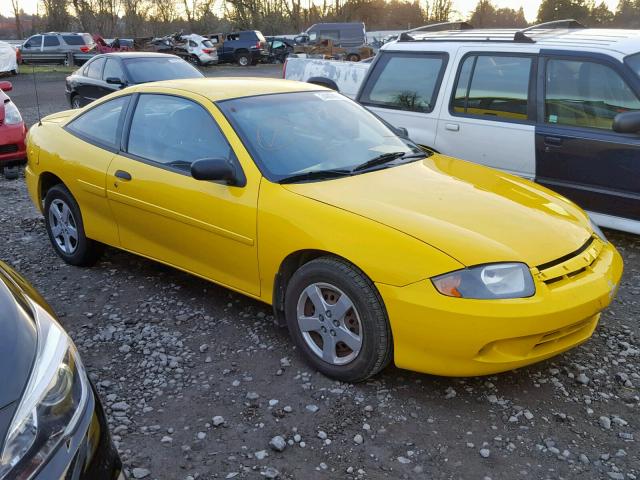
(461, 6)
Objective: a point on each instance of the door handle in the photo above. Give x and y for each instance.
(122, 175)
(553, 141)
(453, 127)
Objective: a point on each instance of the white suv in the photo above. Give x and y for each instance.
(557, 103)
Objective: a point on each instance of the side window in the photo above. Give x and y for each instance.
(34, 42)
(112, 69)
(51, 41)
(330, 35)
(192, 43)
(175, 132)
(585, 94)
(101, 124)
(405, 82)
(94, 69)
(493, 86)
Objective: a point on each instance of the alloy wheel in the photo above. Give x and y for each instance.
(329, 323)
(64, 228)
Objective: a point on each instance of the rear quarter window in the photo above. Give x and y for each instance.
(405, 81)
(73, 39)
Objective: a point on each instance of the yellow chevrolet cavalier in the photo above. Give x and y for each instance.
(369, 248)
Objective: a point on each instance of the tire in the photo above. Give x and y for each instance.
(11, 173)
(243, 59)
(75, 102)
(362, 322)
(194, 60)
(352, 57)
(66, 229)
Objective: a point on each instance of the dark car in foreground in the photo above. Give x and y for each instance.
(52, 425)
(110, 72)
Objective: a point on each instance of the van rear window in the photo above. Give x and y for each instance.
(634, 62)
(73, 39)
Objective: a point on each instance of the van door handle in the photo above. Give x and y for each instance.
(122, 175)
(453, 127)
(553, 141)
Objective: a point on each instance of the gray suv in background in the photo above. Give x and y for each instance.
(48, 47)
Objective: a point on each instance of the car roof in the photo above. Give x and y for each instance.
(621, 41)
(137, 55)
(217, 89)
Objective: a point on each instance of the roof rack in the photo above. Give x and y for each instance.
(436, 27)
(472, 35)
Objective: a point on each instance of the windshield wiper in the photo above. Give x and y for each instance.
(386, 158)
(315, 175)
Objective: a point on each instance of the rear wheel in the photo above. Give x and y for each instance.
(66, 229)
(352, 57)
(194, 60)
(337, 319)
(243, 59)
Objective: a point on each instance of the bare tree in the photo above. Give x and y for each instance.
(16, 13)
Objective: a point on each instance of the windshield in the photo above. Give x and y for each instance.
(294, 133)
(154, 69)
(634, 62)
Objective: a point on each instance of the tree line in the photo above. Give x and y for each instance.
(139, 18)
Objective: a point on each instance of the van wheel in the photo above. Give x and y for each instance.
(352, 57)
(337, 319)
(75, 102)
(243, 59)
(66, 229)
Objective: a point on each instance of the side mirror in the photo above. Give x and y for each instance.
(216, 169)
(114, 81)
(627, 122)
(401, 132)
(6, 86)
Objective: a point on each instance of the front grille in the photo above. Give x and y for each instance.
(12, 148)
(571, 265)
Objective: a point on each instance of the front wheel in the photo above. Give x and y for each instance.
(66, 229)
(75, 102)
(337, 318)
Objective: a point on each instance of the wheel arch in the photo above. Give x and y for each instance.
(288, 267)
(45, 182)
(324, 82)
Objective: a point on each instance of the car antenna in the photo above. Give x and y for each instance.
(35, 88)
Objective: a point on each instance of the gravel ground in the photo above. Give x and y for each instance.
(199, 383)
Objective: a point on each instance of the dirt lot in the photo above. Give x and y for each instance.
(197, 381)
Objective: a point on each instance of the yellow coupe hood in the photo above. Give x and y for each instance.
(473, 213)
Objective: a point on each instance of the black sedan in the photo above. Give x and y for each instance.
(106, 73)
(51, 421)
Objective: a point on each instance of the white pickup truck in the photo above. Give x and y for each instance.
(345, 77)
(557, 103)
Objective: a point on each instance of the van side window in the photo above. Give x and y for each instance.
(585, 94)
(405, 81)
(493, 86)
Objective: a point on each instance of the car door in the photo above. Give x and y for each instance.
(32, 46)
(205, 228)
(491, 111)
(403, 87)
(51, 44)
(112, 70)
(90, 88)
(98, 130)
(578, 153)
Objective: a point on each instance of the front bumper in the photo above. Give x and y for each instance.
(12, 146)
(89, 454)
(448, 336)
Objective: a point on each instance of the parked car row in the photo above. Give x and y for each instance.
(556, 103)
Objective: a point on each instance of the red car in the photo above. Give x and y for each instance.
(12, 131)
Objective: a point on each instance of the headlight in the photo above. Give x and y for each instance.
(11, 114)
(596, 229)
(52, 402)
(499, 280)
